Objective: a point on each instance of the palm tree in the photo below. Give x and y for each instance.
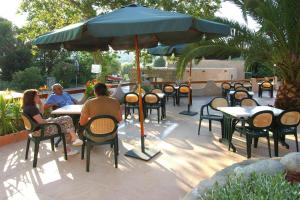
(276, 43)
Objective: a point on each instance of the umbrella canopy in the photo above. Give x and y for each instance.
(119, 27)
(132, 27)
(178, 49)
(163, 50)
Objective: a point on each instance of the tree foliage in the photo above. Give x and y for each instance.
(276, 42)
(159, 62)
(29, 78)
(14, 54)
(45, 16)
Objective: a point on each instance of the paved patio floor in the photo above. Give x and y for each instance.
(185, 159)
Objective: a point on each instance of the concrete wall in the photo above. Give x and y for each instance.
(235, 67)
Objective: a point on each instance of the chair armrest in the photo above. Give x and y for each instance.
(202, 109)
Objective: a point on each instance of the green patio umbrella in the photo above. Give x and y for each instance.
(132, 27)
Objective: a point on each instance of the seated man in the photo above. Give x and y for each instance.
(59, 98)
(103, 104)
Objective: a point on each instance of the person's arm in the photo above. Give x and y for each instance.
(119, 118)
(38, 118)
(40, 105)
(73, 99)
(50, 102)
(119, 115)
(84, 116)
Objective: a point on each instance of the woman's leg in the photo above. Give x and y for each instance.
(66, 125)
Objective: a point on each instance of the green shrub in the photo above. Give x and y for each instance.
(10, 115)
(159, 62)
(256, 187)
(29, 78)
(64, 73)
(4, 85)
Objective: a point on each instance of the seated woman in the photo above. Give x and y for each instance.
(34, 108)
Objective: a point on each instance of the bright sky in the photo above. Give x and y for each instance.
(8, 10)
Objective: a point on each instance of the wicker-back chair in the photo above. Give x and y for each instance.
(170, 91)
(131, 102)
(265, 86)
(286, 124)
(37, 134)
(183, 91)
(258, 126)
(100, 130)
(152, 101)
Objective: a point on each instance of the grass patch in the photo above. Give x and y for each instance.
(259, 187)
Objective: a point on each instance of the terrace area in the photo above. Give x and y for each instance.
(185, 159)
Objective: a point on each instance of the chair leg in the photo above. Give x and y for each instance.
(158, 115)
(82, 150)
(116, 152)
(65, 146)
(222, 129)
(88, 152)
(52, 144)
(296, 138)
(255, 142)
(36, 152)
(174, 101)
(248, 141)
(57, 142)
(27, 148)
(209, 123)
(200, 120)
(269, 146)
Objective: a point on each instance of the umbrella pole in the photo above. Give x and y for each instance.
(145, 153)
(189, 112)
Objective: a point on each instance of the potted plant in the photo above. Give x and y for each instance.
(10, 120)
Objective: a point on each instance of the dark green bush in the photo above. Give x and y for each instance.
(256, 187)
(29, 78)
(64, 73)
(160, 62)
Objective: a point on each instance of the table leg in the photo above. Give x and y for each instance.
(275, 136)
(227, 132)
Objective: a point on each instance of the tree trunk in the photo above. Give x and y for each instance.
(288, 96)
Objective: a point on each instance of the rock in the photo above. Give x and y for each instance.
(219, 177)
(291, 162)
(269, 167)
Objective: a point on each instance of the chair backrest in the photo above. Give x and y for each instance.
(236, 85)
(102, 126)
(289, 118)
(247, 84)
(261, 120)
(183, 89)
(151, 98)
(156, 91)
(226, 86)
(29, 124)
(131, 97)
(169, 89)
(266, 84)
(248, 102)
(241, 88)
(218, 102)
(239, 95)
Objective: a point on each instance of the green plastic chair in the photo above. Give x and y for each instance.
(258, 126)
(100, 130)
(37, 137)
